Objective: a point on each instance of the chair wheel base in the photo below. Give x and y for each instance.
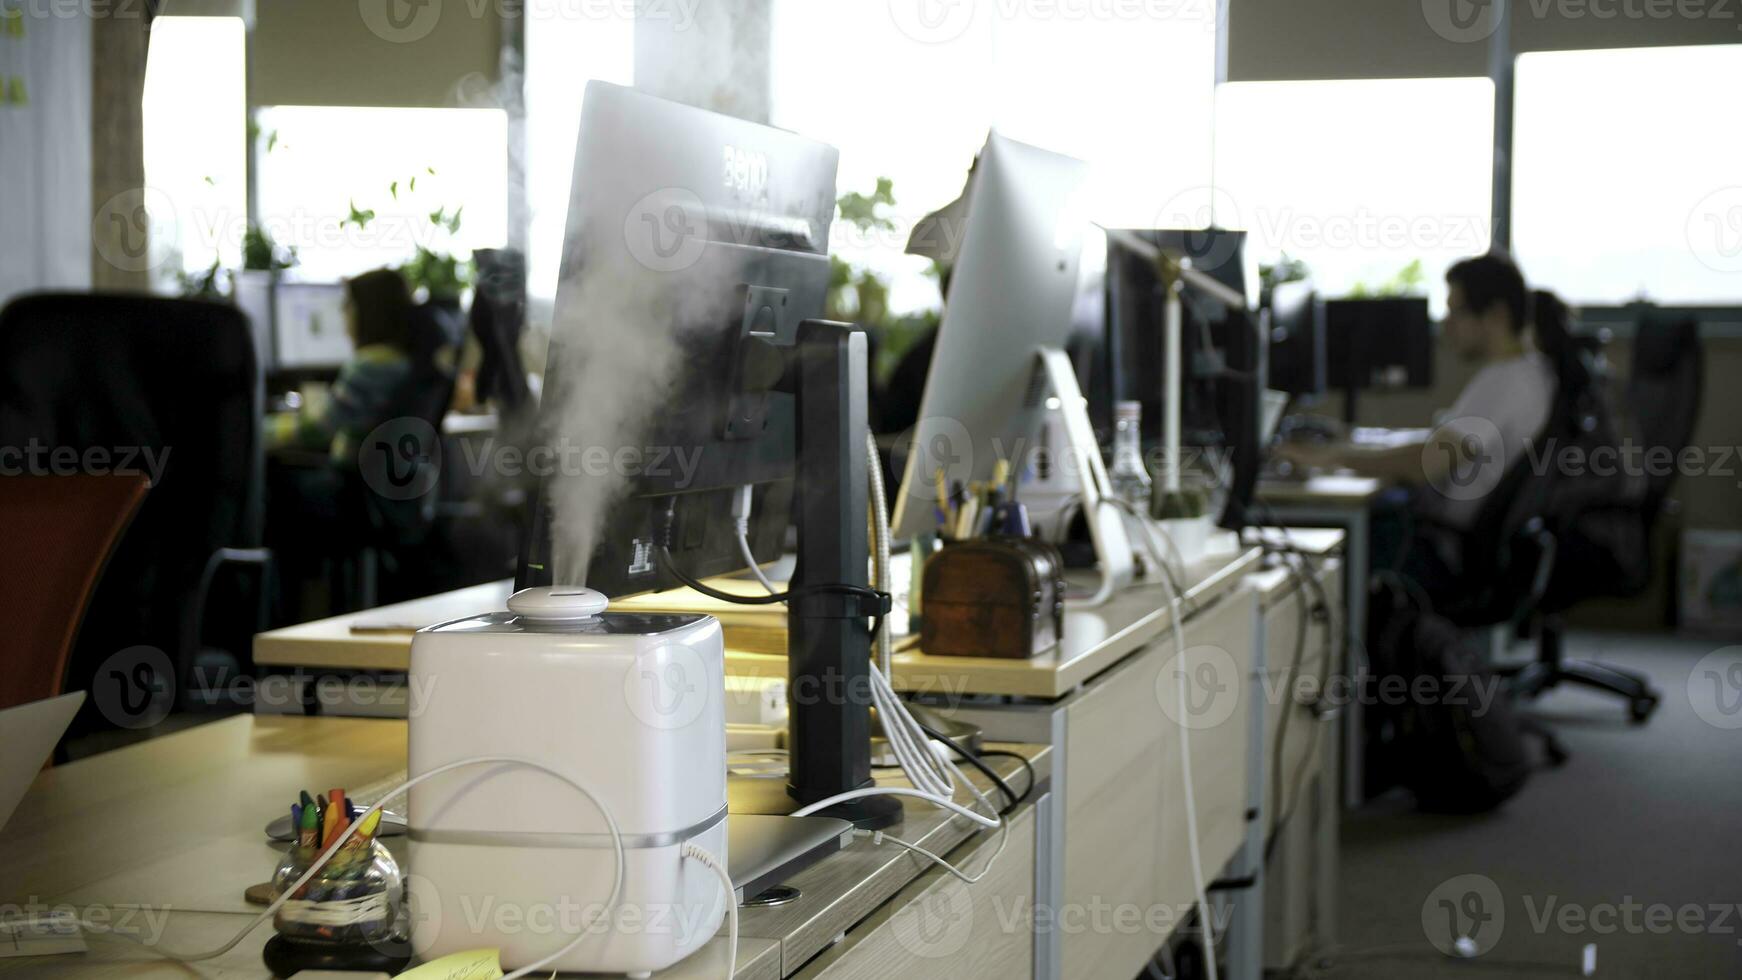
(1639, 709)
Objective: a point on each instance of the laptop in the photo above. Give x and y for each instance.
(29, 733)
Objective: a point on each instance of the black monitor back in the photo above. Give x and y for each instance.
(736, 222)
(1384, 342)
(1297, 340)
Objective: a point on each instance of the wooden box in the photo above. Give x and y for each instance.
(993, 597)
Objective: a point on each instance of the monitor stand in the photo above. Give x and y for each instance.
(1106, 521)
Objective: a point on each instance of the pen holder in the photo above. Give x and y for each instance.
(348, 916)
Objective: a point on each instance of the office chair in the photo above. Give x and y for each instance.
(164, 384)
(1607, 543)
(1510, 551)
(383, 529)
(59, 533)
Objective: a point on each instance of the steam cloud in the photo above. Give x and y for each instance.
(618, 330)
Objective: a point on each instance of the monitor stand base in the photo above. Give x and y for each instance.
(1105, 519)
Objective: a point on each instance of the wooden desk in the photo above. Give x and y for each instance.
(1095, 638)
(1343, 502)
(173, 826)
(1101, 701)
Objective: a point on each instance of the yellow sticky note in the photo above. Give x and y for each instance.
(473, 964)
(18, 96)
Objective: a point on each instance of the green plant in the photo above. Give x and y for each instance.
(859, 295)
(1284, 270)
(438, 272)
(261, 253)
(211, 283)
(1409, 281)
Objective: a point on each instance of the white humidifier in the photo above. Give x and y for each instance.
(629, 705)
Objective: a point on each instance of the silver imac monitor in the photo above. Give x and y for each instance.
(1010, 295)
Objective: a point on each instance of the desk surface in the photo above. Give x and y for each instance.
(1095, 638)
(173, 826)
(1340, 489)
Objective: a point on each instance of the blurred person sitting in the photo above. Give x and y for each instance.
(1519, 339)
(384, 323)
(318, 511)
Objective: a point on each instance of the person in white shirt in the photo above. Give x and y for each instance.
(1516, 337)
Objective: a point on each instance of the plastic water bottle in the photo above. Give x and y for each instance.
(1129, 476)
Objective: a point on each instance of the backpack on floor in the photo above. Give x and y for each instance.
(1461, 747)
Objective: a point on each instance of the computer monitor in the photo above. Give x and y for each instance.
(720, 228)
(1297, 340)
(1010, 294)
(308, 326)
(1220, 411)
(1377, 343)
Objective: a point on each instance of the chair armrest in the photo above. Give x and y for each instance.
(1537, 532)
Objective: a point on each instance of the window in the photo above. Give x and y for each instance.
(1358, 179)
(194, 118)
(1625, 179)
(895, 107)
(910, 97)
(318, 163)
(567, 43)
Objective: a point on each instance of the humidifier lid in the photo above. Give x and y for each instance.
(557, 603)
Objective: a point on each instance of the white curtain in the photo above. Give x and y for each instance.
(45, 149)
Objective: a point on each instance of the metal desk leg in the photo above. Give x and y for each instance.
(1355, 602)
(1246, 926)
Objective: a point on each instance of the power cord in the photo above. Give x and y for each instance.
(986, 770)
(707, 858)
(741, 527)
(1206, 933)
(1027, 768)
(604, 911)
(877, 598)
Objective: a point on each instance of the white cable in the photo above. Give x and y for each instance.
(1149, 539)
(604, 910)
(1185, 753)
(741, 525)
(879, 837)
(856, 794)
(706, 857)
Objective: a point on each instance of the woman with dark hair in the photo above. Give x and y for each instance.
(381, 319)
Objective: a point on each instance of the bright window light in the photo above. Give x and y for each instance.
(912, 89)
(195, 120)
(1358, 179)
(564, 50)
(1129, 90)
(317, 163)
(1625, 179)
(895, 106)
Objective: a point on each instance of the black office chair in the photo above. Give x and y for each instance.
(133, 375)
(1606, 543)
(382, 526)
(1509, 553)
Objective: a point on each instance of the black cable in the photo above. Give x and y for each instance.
(974, 760)
(1027, 767)
(1286, 812)
(1288, 686)
(837, 588)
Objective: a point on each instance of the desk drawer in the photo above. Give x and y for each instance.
(1127, 871)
